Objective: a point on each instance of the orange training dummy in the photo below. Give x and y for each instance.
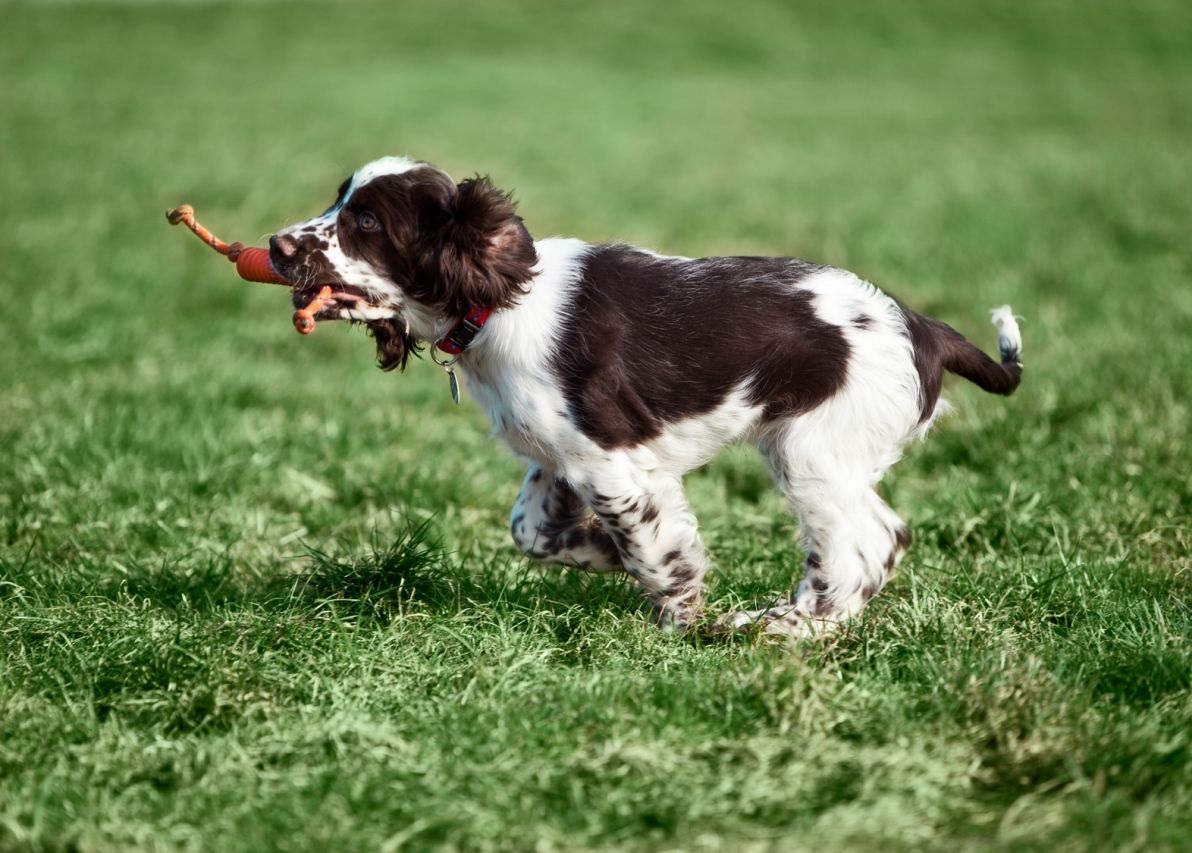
(252, 264)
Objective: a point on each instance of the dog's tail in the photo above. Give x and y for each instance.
(959, 356)
(939, 347)
(964, 359)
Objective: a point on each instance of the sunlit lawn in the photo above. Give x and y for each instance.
(255, 593)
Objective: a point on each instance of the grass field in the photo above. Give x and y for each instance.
(256, 594)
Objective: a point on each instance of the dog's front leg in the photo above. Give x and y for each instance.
(656, 536)
(551, 523)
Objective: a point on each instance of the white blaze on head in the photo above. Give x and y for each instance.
(352, 270)
(377, 168)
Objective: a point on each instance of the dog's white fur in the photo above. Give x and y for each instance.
(826, 461)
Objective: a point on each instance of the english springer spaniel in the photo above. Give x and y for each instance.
(612, 371)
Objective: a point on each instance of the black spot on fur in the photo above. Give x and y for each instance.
(681, 579)
(902, 541)
(621, 539)
(567, 525)
(652, 340)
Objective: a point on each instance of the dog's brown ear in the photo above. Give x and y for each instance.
(486, 255)
(394, 343)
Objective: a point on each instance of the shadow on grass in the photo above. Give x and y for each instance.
(201, 646)
(411, 571)
(415, 572)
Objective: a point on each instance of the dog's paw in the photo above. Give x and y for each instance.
(781, 620)
(679, 621)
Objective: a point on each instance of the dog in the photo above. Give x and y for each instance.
(613, 371)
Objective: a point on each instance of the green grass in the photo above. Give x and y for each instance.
(256, 594)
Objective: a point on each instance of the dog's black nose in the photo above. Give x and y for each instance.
(282, 247)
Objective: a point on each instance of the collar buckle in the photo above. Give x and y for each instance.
(465, 331)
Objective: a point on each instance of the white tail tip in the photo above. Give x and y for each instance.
(1009, 339)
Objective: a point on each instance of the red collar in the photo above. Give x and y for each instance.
(465, 331)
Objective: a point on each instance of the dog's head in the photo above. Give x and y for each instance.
(407, 250)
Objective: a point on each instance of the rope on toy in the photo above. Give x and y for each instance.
(253, 264)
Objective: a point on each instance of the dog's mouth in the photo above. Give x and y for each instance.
(342, 294)
(334, 299)
(319, 292)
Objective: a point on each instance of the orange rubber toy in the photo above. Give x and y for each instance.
(304, 318)
(253, 264)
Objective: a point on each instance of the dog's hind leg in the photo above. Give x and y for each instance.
(852, 538)
(550, 522)
(853, 541)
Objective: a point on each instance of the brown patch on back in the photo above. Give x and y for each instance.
(649, 341)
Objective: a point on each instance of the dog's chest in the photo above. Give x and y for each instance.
(526, 416)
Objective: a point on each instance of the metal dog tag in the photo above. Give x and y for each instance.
(448, 366)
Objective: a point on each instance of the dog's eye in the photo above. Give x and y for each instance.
(368, 222)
